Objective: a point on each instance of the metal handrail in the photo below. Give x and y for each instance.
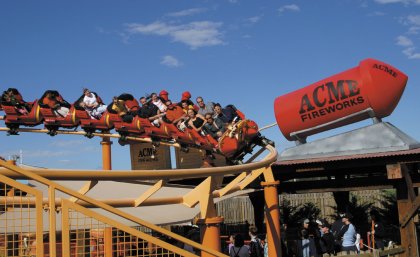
(44, 177)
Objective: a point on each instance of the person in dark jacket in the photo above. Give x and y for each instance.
(377, 232)
(327, 239)
(214, 126)
(306, 244)
(239, 249)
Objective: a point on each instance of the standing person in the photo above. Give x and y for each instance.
(231, 243)
(255, 246)
(303, 242)
(348, 235)
(338, 224)
(335, 229)
(239, 249)
(306, 243)
(284, 243)
(266, 246)
(92, 104)
(377, 231)
(327, 239)
(204, 108)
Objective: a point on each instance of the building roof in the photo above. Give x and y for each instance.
(348, 157)
(374, 141)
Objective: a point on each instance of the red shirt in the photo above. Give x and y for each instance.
(176, 113)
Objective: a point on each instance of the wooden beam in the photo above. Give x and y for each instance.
(408, 233)
(86, 188)
(407, 177)
(149, 192)
(392, 252)
(333, 185)
(394, 171)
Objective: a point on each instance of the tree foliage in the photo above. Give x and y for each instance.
(295, 215)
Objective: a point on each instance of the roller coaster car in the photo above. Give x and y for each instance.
(239, 139)
(133, 128)
(14, 118)
(53, 122)
(180, 136)
(78, 102)
(105, 123)
(130, 102)
(141, 127)
(110, 118)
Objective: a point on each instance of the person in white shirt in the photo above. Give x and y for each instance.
(158, 102)
(92, 104)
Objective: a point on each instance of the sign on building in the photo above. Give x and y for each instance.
(194, 159)
(146, 157)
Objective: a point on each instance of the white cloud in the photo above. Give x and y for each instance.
(187, 12)
(413, 19)
(413, 23)
(405, 2)
(194, 34)
(411, 54)
(377, 14)
(410, 49)
(233, 1)
(290, 7)
(364, 5)
(170, 61)
(390, 1)
(413, 30)
(254, 19)
(62, 143)
(404, 41)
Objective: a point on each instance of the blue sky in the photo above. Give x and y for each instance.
(228, 51)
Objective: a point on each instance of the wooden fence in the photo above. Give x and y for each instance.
(240, 209)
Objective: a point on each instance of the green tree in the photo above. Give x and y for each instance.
(389, 212)
(307, 211)
(286, 211)
(388, 215)
(360, 213)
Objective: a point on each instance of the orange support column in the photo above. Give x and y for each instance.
(210, 234)
(272, 217)
(11, 192)
(106, 153)
(108, 252)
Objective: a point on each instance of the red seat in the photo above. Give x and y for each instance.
(106, 122)
(180, 136)
(33, 118)
(133, 129)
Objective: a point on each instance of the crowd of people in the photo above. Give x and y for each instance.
(315, 238)
(201, 116)
(320, 238)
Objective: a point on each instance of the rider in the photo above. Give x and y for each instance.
(92, 104)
